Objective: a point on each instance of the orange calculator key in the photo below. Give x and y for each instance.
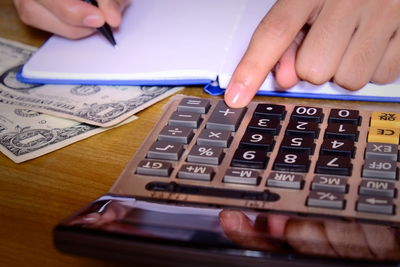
(384, 134)
(390, 119)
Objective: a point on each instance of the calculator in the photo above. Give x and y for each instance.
(278, 183)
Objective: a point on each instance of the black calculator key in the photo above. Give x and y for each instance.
(248, 158)
(295, 162)
(337, 165)
(298, 144)
(302, 128)
(260, 141)
(344, 116)
(302, 113)
(341, 131)
(266, 125)
(270, 111)
(337, 147)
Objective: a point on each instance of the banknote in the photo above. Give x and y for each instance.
(26, 134)
(92, 104)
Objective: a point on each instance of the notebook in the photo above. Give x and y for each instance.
(175, 42)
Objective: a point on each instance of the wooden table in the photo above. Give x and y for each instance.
(36, 195)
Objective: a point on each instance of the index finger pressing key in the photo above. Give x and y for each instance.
(273, 36)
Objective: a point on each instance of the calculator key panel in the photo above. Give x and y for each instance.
(338, 173)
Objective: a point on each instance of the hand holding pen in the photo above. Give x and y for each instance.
(73, 19)
(105, 29)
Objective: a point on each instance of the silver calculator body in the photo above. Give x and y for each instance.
(268, 183)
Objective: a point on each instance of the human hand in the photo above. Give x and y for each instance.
(327, 238)
(73, 19)
(100, 213)
(352, 42)
(262, 235)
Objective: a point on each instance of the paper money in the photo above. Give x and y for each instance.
(97, 105)
(27, 134)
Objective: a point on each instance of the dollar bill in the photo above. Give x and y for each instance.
(27, 134)
(96, 105)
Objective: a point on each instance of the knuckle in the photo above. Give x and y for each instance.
(387, 71)
(70, 14)
(24, 10)
(350, 81)
(312, 73)
(355, 70)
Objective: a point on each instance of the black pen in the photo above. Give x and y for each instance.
(105, 29)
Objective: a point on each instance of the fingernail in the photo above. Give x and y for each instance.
(92, 21)
(91, 218)
(230, 220)
(236, 96)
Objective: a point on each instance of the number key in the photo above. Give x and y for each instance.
(298, 144)
(302, 128)
(247, 158)
(307, 114)
(337, 147)
(265, 125)
(261, 141)
(337, 165)
(341, 131)
(344, 116)
(292, 162)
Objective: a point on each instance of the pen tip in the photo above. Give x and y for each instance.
(116, 46)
